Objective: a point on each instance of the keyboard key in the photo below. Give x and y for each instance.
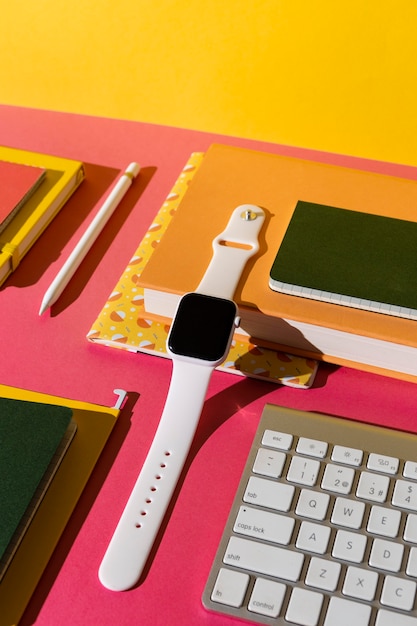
(410, 470)
(360, 583)
(398, 594)
(264, 559)
(382, 463)
(410, 530)
(323, 574)
(338, 479)
(269, 463)
(405, 495)
(312, 504)
(348, 456)
(313, 537)
(412, 563)
(384, 521)
(372, 487)
(303, 471)
(349, 546)
(273, 439)
(348, 513)
(269, 494)
(263, 525)
(386, 555)
(312, 447)
(304, 607)
(230, 587)
(267, 597)
(348, 613)
(388, 618)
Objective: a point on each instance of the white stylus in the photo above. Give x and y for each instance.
(94, 229)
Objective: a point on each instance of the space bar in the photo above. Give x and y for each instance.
(387, 618)
(264, 559)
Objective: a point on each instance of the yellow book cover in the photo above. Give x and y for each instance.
(62, 178)
(94, 425)
(123, 322)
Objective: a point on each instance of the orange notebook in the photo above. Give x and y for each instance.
(230, 176)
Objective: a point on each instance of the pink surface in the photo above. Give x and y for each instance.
(50, 354)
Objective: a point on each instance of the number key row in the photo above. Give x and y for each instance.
(336, 479)
(339, 454)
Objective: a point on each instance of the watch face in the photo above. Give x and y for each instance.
(202, 326)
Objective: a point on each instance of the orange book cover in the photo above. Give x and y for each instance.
(231, 176)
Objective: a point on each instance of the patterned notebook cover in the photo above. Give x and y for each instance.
(123, 323)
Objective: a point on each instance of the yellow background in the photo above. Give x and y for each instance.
(325, 74)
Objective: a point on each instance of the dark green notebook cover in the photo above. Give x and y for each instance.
(348, 257)
(33, 439)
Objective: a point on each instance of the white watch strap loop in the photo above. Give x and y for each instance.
(231, 251)
(138, 526)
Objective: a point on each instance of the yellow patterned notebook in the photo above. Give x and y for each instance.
(123, 322)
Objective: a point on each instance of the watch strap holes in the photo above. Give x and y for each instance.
(138, 524)
(153, 489)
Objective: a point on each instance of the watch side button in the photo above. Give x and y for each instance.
(237, 321)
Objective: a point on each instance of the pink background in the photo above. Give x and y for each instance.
(51, 354)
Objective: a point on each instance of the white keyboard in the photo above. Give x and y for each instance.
(323, 528)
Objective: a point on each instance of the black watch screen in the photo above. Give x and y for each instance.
(202, 327)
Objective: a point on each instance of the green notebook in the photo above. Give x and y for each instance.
(33, 440)
(350, 258)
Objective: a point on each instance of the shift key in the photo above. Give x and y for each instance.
(264, 559)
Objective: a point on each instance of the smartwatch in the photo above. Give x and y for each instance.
(199, 339)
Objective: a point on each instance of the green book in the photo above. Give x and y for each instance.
(33, 440)
(350, 258)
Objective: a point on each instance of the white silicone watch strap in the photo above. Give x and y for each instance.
(138, 526)
(231, 251)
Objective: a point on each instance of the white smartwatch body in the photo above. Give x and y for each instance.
(199, 339)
